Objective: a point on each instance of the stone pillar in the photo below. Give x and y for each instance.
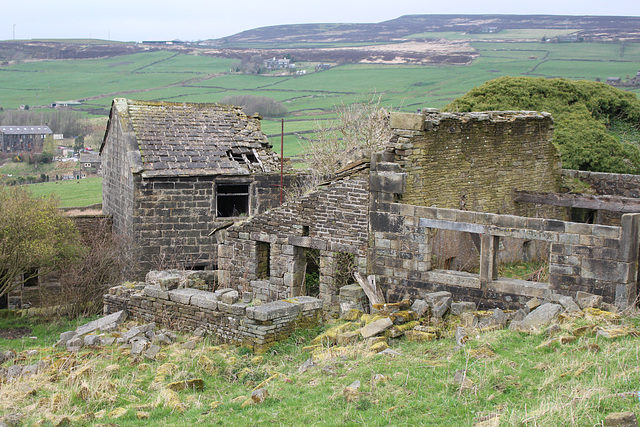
(328, 290)
(626, 293)
(488, 259)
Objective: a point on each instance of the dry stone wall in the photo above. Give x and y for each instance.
(256, 327)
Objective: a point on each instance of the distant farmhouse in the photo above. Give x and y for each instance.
(19, 139)
(277, 64)
(90, 163)
(173, 172)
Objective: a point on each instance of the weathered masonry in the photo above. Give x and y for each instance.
(173, 172)
(326, 231)
(463, 174)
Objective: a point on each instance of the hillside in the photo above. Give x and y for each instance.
(624, 28)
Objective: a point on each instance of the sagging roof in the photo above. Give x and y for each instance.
(25, 130)
(186, 139)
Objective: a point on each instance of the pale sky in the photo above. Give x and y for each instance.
(137, 20)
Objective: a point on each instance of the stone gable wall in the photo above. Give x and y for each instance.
(474, 161)
(117, 180)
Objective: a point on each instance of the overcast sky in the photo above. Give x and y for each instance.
(137, 20)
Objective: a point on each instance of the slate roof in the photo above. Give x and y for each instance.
(25, 130)
(185, 139)
(89, 158)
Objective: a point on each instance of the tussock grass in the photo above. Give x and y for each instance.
(511, 379)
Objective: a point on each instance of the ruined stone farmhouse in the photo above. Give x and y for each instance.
(174, 172)
(490, 182)
(451, 198)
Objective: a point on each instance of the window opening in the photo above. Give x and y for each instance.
(32, 279)
(232, 200)
(585, 216)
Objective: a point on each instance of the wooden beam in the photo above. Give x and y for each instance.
(583, 201)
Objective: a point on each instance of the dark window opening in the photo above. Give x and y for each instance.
(264, 258)
(4, 302)
(32, 280)
(305, 230)
(586, 216)
(232, 200)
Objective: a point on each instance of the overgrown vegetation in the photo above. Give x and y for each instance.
(266, 107)
(593, 120)
(35, 238)
(362, 126)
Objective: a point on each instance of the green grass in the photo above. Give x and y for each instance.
(72, 193)
(522, 379)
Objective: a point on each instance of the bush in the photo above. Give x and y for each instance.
(583, 112)
(266, 107)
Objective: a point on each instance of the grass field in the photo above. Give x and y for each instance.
(72, 193)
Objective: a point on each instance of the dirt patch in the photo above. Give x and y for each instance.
(15, 333)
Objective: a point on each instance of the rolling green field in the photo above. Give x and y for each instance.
(171, 76)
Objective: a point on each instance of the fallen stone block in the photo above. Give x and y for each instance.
(441, 307)
(587, 300)
(569, 305)
(457, 308)
(621, 419)
(434, 297)
(538, 318)
(116, 318)
(376, 327)
(420, 307)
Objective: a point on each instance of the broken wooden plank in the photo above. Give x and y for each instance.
(370, 288)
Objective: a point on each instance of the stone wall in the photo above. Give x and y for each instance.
(614, 184)
(173, 217)
(474, 161)
(332, 220)
(256, 327)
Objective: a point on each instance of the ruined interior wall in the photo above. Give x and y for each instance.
(474, 161)
(332, 219)
(597, 259)
(256, 327)
(601, 183)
